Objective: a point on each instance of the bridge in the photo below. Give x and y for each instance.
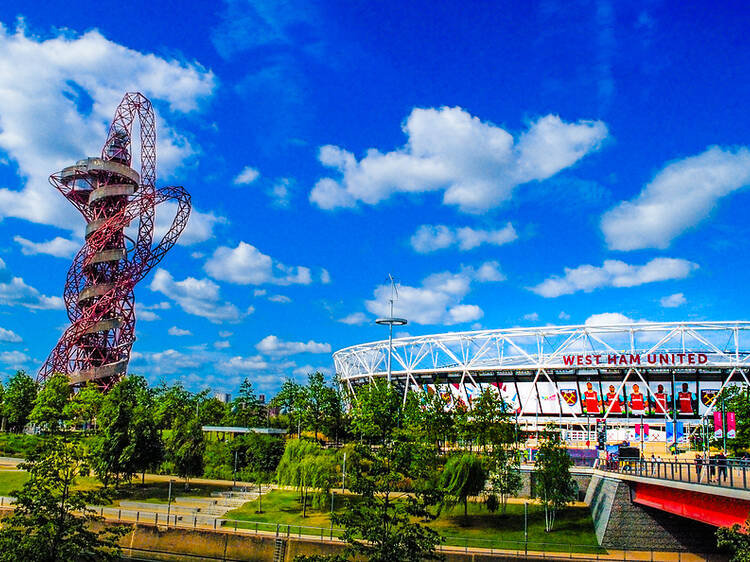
(716, 493)
(675, 505)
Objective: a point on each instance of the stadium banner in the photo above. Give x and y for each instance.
(731, 425)
(718, 426)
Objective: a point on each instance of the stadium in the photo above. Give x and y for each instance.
(653, 381)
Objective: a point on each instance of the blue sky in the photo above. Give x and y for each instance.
(520, 164)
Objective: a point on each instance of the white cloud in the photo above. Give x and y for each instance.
(200, 226)
(476, 164)
(223, 344)
(15, 292)
(608, 319)
(146, 312)
(272, 345)
(305, 370)
(563, 315)
(225, 333)
(439, 300)
(531, 317)
(673, 301)
(430, 238)
(199, 297)
(9, 336)
(246, 265)
(281, 193)
(680, 196)
(175, 331)
(355, 318)
(247, 176)
(325, 277)
(282, 299)
(57, 97)
(613, 273)
(14, 358)
(59, 247)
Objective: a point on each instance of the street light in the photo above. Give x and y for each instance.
(391, 321)
(169, 501)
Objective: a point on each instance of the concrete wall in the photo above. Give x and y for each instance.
(622, 524)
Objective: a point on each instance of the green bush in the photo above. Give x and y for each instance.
(18, 444)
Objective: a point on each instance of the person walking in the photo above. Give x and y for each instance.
(698, 465)
(653, 464)
(722, 465)
(711, 468)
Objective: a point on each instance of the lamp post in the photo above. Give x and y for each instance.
(169, 501)
(391, 321)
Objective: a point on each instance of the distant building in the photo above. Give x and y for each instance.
(224, 397)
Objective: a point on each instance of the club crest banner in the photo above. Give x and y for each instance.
(569, 395)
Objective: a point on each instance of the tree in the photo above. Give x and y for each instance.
(289, 400)
(19, 400)
(555, 485)
(736, 540)
(737, 400)
(50, 410)
(307, 466)
(127, 442)
(51, 521)
(246, 410)
(84, 407)
(170, 402)
(464, 476)
(505, 475)
(186, 447)
(381, 526)
(2, 408)
(211, 410)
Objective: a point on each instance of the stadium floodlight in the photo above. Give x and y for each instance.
(391, 321)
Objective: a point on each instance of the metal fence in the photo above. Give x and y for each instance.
(724, 473)
(499, 547)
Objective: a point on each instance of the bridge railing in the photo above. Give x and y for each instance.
(724, 473)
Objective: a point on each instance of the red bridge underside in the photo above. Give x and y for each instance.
(717, 510)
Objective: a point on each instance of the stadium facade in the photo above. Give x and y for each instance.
(639, 377)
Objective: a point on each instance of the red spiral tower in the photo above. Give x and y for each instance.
(99, 295)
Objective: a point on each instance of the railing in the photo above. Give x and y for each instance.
(722, 473)
(517, 550)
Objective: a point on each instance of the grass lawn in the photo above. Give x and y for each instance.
(11, 480)
(479, 528)
(156, 491)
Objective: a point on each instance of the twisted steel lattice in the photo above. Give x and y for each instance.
(98, 292)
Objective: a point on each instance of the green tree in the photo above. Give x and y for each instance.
(505, 475)
(555, 486)
(185, 448)
(391, 457)
(736, 399)
(170, 402)
(19, 400)
(735, 540)
(2, 407)
(308, 467)
(382, 525)
(246, 409)
(128, 441)
(51, 521)
(376, 412)
(289, 401)
(464, 476)
(50, 404)
(84, 407)
(211, 410)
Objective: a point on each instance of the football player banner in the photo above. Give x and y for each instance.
(718, 426)
(731, 427)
